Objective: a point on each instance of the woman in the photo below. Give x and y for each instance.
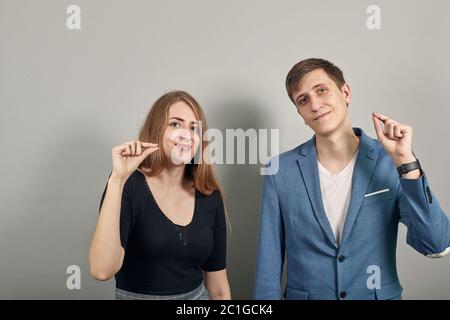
(162, 227)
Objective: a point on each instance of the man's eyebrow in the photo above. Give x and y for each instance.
(315, 86)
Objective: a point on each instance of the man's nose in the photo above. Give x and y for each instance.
(315, 103)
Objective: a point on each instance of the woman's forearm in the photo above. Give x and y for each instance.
(105, 252)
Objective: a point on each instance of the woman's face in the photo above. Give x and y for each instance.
(182, 135)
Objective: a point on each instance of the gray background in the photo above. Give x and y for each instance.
(68, 96)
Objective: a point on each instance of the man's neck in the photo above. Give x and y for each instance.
(335, 151)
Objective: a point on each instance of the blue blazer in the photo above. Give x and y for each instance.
(293, 223)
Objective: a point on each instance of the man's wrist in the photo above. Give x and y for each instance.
(399, 160)
(414, 174)
(409, 167)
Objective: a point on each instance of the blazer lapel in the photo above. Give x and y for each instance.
(362, 174)
(308, 168)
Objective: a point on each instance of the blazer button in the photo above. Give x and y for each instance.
(430, 198)
(341, 258)
(343, 294)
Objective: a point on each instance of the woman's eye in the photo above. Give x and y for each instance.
(174, 124)
(322, 90)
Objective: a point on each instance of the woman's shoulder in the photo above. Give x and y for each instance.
(132, 178)
(133, 181)
(211, 195)
(141, 170)
(139, 174)
(212, 200)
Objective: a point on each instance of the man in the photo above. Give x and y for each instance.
(334, 205)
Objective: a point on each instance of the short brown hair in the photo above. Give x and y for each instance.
(300, 69)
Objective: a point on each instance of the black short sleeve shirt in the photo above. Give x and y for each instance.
(162, 258)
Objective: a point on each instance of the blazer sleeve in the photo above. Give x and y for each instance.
(271, 246)
(428, 225)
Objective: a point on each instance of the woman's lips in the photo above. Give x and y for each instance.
(183, 147)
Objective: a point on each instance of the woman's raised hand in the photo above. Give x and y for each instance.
(128, 156)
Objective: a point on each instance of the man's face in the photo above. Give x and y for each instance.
(321, 103)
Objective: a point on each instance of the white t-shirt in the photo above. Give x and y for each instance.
(336, 189)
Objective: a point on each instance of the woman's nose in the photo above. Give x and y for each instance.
(184, 135)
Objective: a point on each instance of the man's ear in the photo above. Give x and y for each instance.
(346, 91)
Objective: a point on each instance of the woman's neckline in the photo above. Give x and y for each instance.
(150, 193)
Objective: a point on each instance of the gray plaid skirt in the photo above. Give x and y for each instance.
(200, 293)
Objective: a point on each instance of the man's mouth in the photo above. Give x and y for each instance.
(323, 115)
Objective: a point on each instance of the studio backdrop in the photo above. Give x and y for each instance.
(78, 77)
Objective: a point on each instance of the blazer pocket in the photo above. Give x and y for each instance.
(374, 198)
(295, 294)
(389, 291)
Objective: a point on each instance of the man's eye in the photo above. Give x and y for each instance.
(301, 101)
(322, 90)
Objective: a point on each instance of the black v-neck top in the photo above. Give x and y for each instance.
(162, 258)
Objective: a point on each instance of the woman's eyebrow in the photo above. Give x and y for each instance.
(182, 120)
(176, 118)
